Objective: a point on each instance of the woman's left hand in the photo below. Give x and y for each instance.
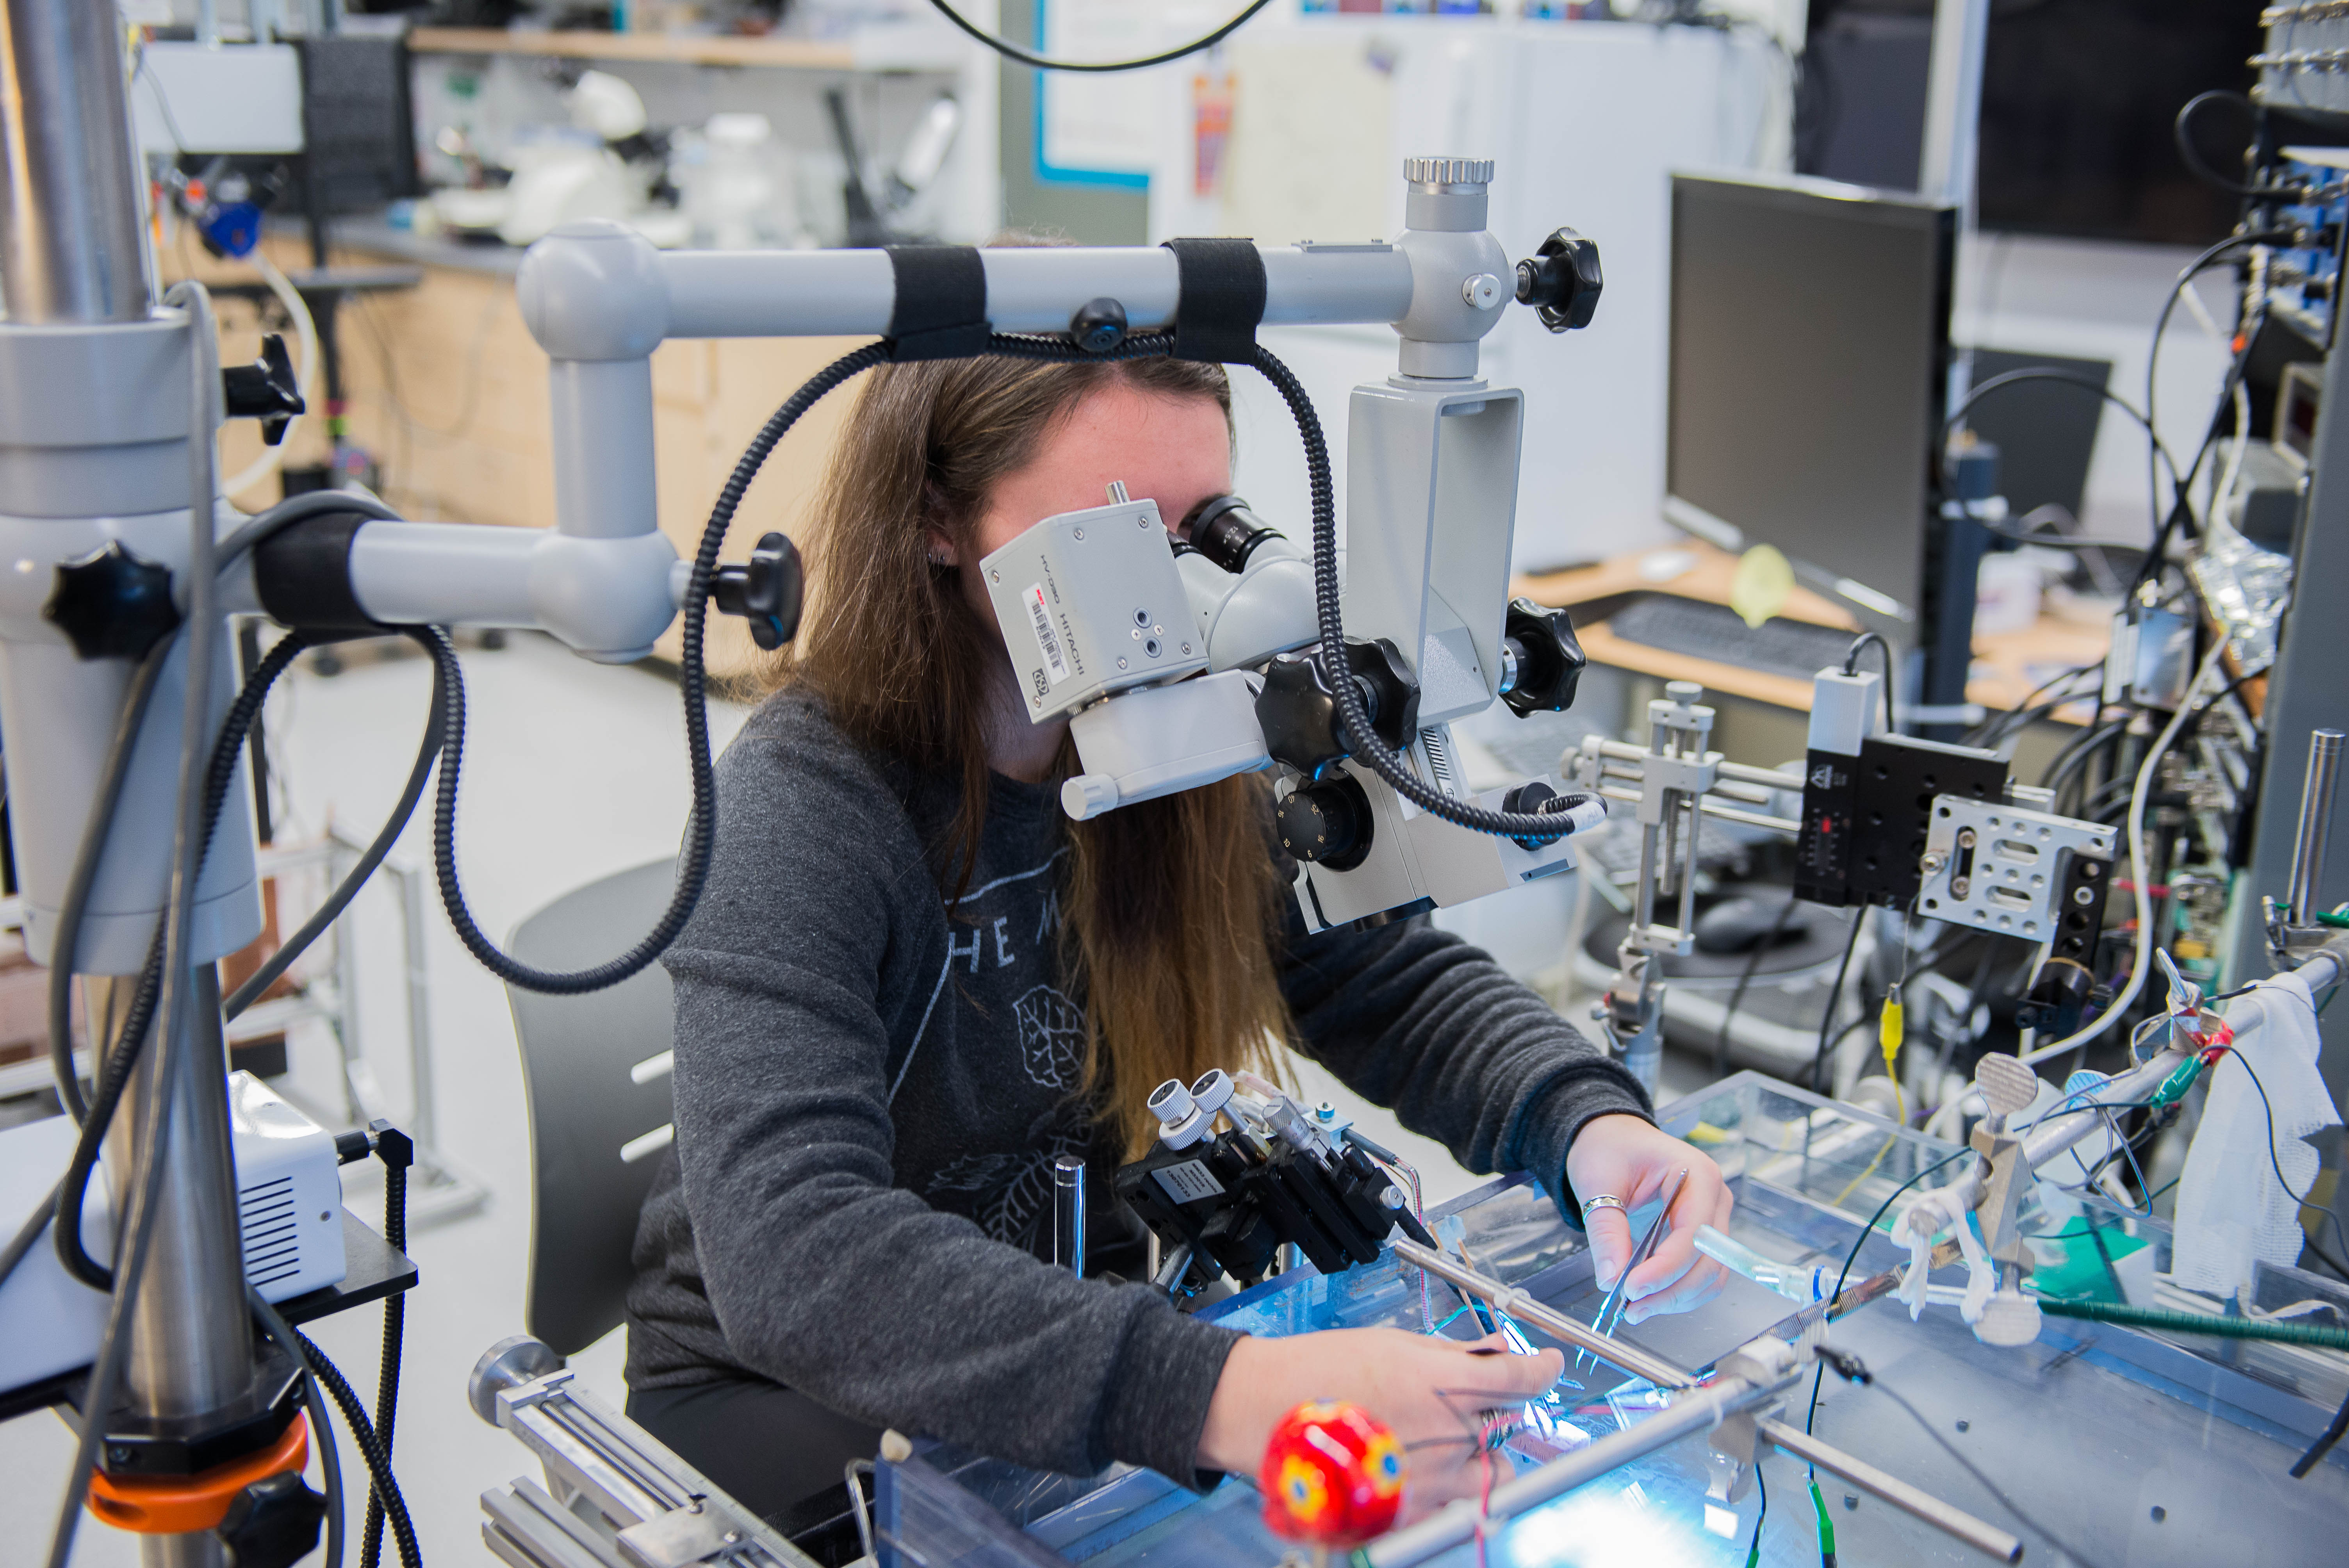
(1631, 1159)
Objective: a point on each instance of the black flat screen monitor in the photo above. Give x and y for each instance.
(1809, 372)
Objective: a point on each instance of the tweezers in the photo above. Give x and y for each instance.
(1646, 1249)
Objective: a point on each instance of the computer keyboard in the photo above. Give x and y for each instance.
(1778, 647)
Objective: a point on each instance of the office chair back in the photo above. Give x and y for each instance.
(595, 1077)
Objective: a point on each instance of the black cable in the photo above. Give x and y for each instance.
(62, 945)
(293, 946)
(1762, 1489)
(701, 826)
(1852, 1257)
(1011, 51)
(362, 1437)
(1362, 742)
(115, 1075)
(1950, 1448)
(395, 1323)
(330, 1457)
(2325, 1442)
(1884, 652)
(2017, 533)
(1993, 730)
(1745, 978)
(28, 1233)
(2179, 510)
(1834, 994)
(2191, 156)
(2050, 373)
(2328, 1259)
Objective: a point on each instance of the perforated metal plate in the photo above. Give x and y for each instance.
(2018, 872)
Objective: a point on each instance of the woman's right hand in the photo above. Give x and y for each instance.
(1433, 1392)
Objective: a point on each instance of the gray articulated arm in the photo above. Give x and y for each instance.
(600, 298)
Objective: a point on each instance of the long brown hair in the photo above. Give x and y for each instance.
(1169, 906)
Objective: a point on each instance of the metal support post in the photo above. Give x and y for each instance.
(1068, 1213)
(2313, 832)
(191, 1337)
(72, 248)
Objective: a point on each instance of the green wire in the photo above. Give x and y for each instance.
(2200, 1323)
(1762, 1485)
(1827, 1527)
(1453, 1319)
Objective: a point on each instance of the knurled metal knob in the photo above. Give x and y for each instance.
(1453, 172)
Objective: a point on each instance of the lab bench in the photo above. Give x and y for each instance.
(2133, 1447)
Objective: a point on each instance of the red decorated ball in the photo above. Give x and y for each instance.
(1332, 1475)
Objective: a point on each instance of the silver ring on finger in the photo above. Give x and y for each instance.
(1602, 1201)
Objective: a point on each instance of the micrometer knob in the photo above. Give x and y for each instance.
(1327, 824)
(1562, 281)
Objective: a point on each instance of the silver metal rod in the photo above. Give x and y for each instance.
(1744, 773)
(1714, 809)
(1688, 871)
(1455, 1522)
(1509, 1299)
(422, 1117)
(1983, 1537)
(1068, 1213)
(72, 245)
(192, 1341)
(2310, 840)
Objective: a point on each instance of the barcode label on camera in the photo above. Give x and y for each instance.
(1046, 637)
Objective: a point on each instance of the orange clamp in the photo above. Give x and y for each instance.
(182, 1504)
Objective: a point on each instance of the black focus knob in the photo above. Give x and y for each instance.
(1550, 660)
(1561, 281)
(1297, 708)
(1098, 326)
(765, 590)
(1327, 824)
(266, 391)
(112, 604)
(272, 1524)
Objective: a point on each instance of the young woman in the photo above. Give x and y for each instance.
(912, 983)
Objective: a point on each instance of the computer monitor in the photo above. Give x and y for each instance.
(1808, 379)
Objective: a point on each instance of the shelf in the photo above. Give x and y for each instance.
(882, 53)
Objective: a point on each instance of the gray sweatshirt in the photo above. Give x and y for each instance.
(870, 1096)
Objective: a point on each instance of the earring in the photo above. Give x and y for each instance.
(939, 557)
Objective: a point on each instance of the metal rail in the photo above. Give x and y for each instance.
(1508, 1298)
(1959, 1525)
(1698, 1411)
(1695, 1410)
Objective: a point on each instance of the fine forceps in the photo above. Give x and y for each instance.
(1640, 1255)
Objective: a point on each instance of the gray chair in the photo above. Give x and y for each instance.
(595, 1077)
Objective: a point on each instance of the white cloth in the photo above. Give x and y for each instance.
(2231, 1214)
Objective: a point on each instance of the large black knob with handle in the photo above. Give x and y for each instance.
(265, 390)
(1297, 708)
(111, 603)
(1544, 659)
(1561, 281)
(764, 591)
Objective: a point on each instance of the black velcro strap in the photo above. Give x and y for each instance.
(1220, 299)
(941, 308)
(303, 575)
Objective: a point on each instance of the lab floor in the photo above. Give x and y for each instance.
(570, 770)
